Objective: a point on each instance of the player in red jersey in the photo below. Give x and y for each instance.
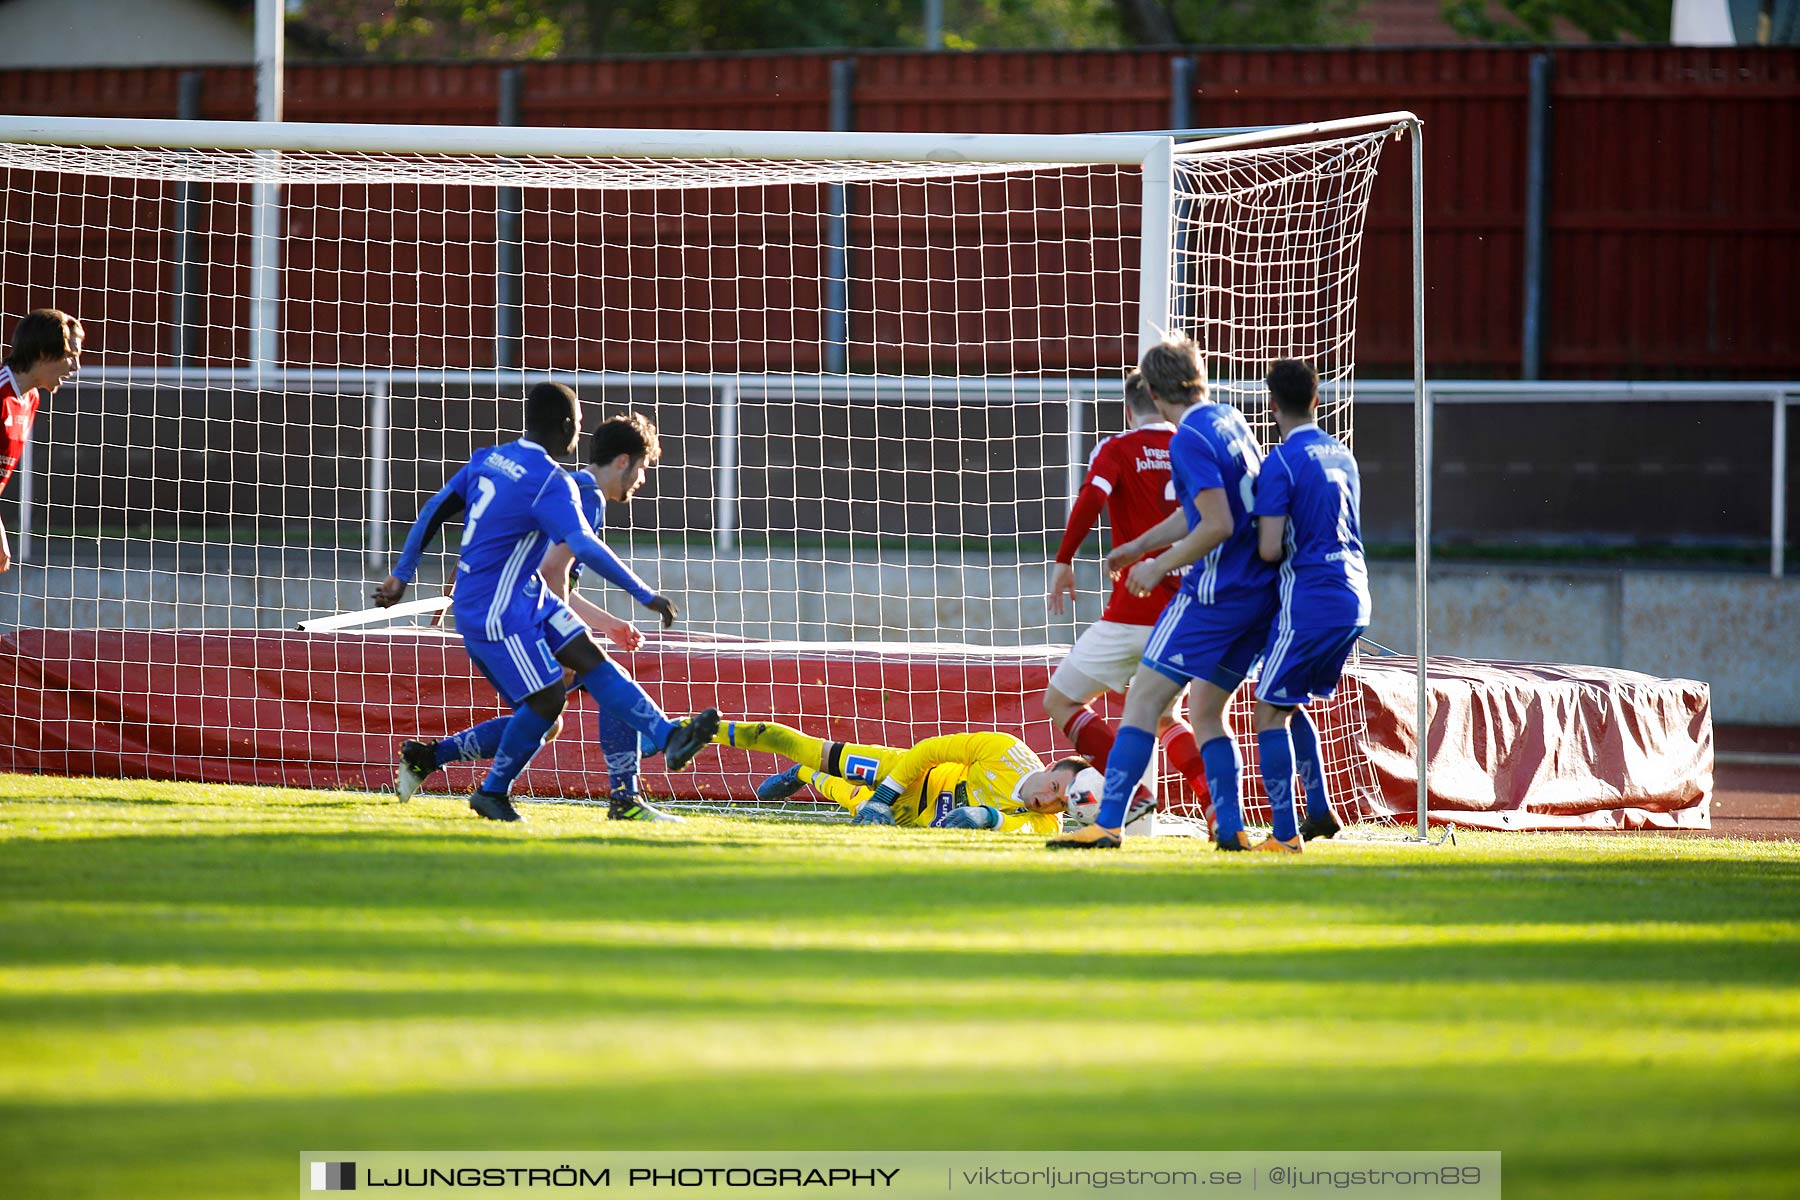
(46, 349)
(1129, 477)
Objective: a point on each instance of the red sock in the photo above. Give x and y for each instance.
(1183, 754)
(1091, 736)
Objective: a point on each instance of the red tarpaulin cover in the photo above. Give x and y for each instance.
(1517, 745)
(1513, 745)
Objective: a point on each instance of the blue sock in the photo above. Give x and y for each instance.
(1275, 754)
(1310, 764)
(1124, 768)
(522, 739)
(619, 742)
(619, 694)
(1220, 757)
(472, 745)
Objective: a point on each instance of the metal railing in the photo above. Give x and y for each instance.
(1080, 394)
(379, 386)
(1779, 396)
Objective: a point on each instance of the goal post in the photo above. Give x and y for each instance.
(894, 504)
(1308, 184)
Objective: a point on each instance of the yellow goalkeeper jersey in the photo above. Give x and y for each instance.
(991, 765)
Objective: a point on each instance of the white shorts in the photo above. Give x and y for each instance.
(1103, 659)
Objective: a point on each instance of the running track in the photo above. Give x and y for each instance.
(1756, 776)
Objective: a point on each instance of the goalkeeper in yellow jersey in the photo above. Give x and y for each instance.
(984, 780)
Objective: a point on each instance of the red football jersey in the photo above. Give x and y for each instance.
(1132, 470)
(16, 415)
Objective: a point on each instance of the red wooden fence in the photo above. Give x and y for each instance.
(1674, 229)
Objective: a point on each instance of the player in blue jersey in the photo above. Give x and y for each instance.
(621, 451)
(1211, 633)
(1308, 505)
(518, 502)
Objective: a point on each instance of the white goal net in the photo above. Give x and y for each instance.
(1266, 249)
(877, 380)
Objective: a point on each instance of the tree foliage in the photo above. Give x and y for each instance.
(1536, 20)
(414, 29)
(1266, 22)
(676, 26)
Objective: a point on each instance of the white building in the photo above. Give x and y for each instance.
(126, 33)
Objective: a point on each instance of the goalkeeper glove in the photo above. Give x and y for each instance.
(873, 812)
(879, 808)
(979, 816)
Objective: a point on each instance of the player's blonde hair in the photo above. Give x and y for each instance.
(1174, 371)
(1137, 395)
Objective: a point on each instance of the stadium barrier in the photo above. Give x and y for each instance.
(1512, 745)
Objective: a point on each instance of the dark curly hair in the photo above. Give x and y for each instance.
(631, 434)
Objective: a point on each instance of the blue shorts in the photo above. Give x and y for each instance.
(1304, 664)
(524, 662)
(1217, 642)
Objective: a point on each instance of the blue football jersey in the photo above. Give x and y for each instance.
(592, 502)
(1214, 448)
(517, 501)
(590, 499)
(1312, 480)
(593, 506)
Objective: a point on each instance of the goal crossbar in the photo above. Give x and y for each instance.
(523, 141)
(518, 141)
(1201, 141)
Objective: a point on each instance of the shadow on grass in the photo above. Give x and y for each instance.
(587, 926)
(558, 981)
(674, 879)
(120, 802)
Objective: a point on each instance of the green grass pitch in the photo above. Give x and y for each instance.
(197, 983)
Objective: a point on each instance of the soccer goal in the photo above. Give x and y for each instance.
(878, 363)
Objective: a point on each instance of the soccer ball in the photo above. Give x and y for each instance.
(1084, 797)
